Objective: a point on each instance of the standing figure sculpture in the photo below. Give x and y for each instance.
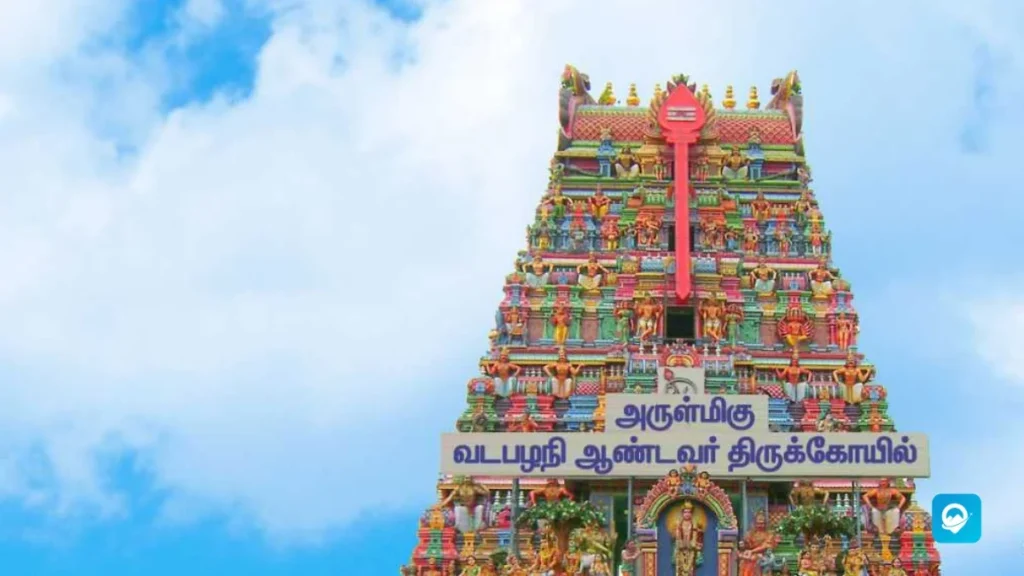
(712, 312)
(599, 204)
(794, 377)
(689, 542)
(648, 316)
(885, 503)
(560, 319)
(756, 542)
(846, 330)
(469, 498)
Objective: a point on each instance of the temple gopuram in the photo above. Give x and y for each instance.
(674, 385)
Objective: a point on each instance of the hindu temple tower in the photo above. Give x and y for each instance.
(680, 235)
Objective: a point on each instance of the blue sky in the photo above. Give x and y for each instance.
(252, 249)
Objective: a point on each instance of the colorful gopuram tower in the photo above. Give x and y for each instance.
(678, 250)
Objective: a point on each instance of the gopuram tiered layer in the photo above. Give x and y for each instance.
(674, 385)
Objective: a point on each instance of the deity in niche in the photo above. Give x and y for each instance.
(515, 325)
(712, 312)
(610, 233)
(846, 329)
(599, 204)
(689, 541)
(751, 239)
(469, 498)
(648, 316)
(504, 373)
(760, 208)
(560, 319)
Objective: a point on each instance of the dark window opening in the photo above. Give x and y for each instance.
(681, 323)
(672, 238)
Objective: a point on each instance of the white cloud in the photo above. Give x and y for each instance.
(270, 282)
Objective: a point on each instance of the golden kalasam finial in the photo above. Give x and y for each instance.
(705, 92)
(658, 92)
(752, 102)
(728, 102)
(607, 97)
(632, 99)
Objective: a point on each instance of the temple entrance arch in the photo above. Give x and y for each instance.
(686, 494)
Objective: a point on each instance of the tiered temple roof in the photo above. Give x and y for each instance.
(641, 257)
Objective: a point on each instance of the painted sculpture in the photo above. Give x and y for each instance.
(675, 236)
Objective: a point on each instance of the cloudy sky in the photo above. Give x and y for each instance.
(251, 249)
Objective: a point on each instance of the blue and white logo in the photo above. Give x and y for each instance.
(956, 518)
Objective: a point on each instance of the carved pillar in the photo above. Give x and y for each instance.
(515, 516)
(629, 509)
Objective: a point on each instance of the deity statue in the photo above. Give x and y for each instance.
(674, 482)
(806, 566)
(610, 233)
(489, 569)
(689, 540)
(626, 165)
(748, 560)
(821, 281)
(590, 273)
(801, 207)
(562, 374)
(846, 330)
(733, 317)
(547, 561)
(763, 277)
(886, 503)
(795, 328)
(828, 423)
(623, 320)
(648, 230)
(760, 208)
(504, 373)
(469, 498)
(599, 204)
(855, 563)
(896, 569)
(557, 203)
(751, 240)
(431, 569)
(600, 566)
(735, 165)
(513, 567)
(552, 491)
(537, 272)
(770, 563)
(712, 312)
(629, 556)
(560, 319)
(852, 376)
(712, 234)
(524, 423)
(470, 567)
(794, 377)
(760, 537)
(805, 493)
(515, 325)
(648, 317)
(782, 237)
